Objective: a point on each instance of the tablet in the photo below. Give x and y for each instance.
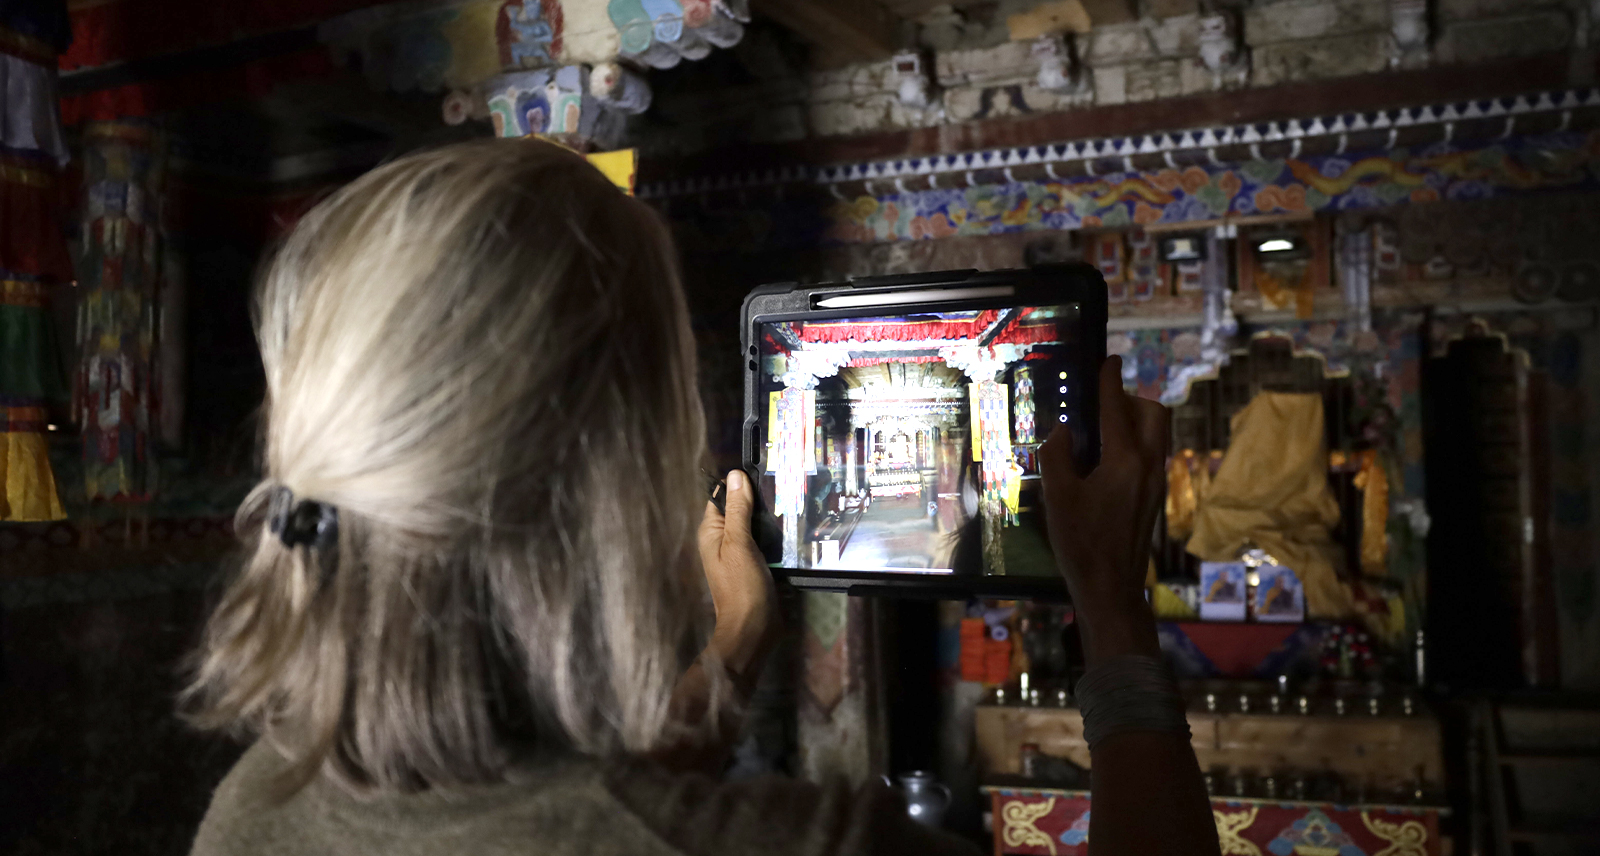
(892, 425)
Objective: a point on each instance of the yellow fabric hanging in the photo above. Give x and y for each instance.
(29, 488)
(1180, 494)
(1373, 482)
(620, 166)
(1272, 491)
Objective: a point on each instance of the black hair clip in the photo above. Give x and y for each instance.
(304, 522)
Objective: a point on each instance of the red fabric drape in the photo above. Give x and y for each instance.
(1031, 335)
(201, 211)
(31, 241)
(122, 30)
(251, 80)
(895, 331)
(831, 332)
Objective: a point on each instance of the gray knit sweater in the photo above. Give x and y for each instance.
(575, 807)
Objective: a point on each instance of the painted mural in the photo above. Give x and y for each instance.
(529, 33)
(1196, 193)
(553, 101)
(1565, 161)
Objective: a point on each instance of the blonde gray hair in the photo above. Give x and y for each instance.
(481, 356)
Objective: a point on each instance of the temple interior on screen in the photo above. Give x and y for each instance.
(908, 443)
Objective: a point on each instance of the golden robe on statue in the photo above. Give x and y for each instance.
(1272, 492)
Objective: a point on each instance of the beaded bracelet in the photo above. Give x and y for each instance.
(1131, 693)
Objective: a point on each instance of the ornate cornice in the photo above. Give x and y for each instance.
(1479, 119)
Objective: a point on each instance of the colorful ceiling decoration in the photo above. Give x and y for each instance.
(654, 33)
(660, 33)
(461, 45)
(567, 73)
(547, 67)
(521, 52)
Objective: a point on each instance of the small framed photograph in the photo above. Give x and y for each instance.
(1222, 591)
(1279, 595)
(1188, 247)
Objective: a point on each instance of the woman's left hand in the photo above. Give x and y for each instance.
(741, 586)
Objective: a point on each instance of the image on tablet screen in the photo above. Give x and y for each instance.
(909, 443)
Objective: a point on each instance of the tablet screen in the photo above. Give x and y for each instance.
(909, 443)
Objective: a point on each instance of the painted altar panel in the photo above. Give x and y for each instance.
(1048, 822)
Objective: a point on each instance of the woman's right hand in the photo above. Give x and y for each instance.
(1101, 526)
(742, 590)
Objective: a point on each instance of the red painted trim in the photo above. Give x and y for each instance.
(995, 822)
(31, 242)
